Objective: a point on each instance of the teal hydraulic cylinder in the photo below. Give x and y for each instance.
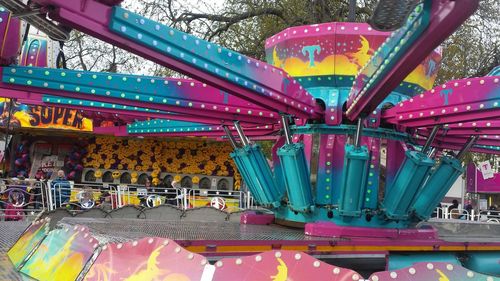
(409, 179)
(257, 174)
(436, 187)
(484, 262)
(296, 176)
(354, 179)
(398, 261)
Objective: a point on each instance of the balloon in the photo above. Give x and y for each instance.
(72, 175)
(79, 167)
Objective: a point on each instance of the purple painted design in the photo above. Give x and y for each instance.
(443, 144)
(330, 229)
(471, 99)
(10, 30)
(146, 259)
(476, 183)
(253, 217)
(35, 52)
(456, 140)
(280, 265)
(485, 128)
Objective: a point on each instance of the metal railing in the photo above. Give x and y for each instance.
(490, 216)
(152, 197)
(84, 196)
(220, 199)
(80, 196)
(24, 200)
(21, 200)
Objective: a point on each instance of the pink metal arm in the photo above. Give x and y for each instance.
(195, 99)
(484, 128)
(369, 91)
(93, 18)
(457, 146)
(454, 102)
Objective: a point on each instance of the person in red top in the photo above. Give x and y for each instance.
(13, 209)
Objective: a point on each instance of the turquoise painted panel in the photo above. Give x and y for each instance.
(436, 187)
(96, 104)
(401, 194)
(296, 177)
(143, 89)
(257, 174)
(484, 262)
(167, 126)
(354, 180)
(399, 261)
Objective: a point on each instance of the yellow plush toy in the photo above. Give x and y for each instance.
(133, 177)
(196, 180)
(98, 174)
(177, 178)
(116, 174)
(155, 181)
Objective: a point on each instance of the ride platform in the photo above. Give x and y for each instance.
(215, 240)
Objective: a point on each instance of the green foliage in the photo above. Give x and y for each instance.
(244, 25)
(267, 148)
(474, 49)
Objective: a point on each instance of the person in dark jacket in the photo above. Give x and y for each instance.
(454, 206)
(60, 189)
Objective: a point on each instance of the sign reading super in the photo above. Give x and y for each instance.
(46, 116)
(36, 116)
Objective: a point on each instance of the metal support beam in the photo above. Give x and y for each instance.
(241, 134)
(468, 145)
(286, 129)
(357, 136)
(230, 136)
(430, 139)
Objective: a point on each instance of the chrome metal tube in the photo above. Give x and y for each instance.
(26, 13)
(230, 136)
(242, 136)
(431, 138)
(468, 145)
(359, 129)
(286, 128)
(432, 152)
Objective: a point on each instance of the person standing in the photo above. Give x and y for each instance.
(143, 197)
(454, 206)
(60, 189)
(173, 193)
